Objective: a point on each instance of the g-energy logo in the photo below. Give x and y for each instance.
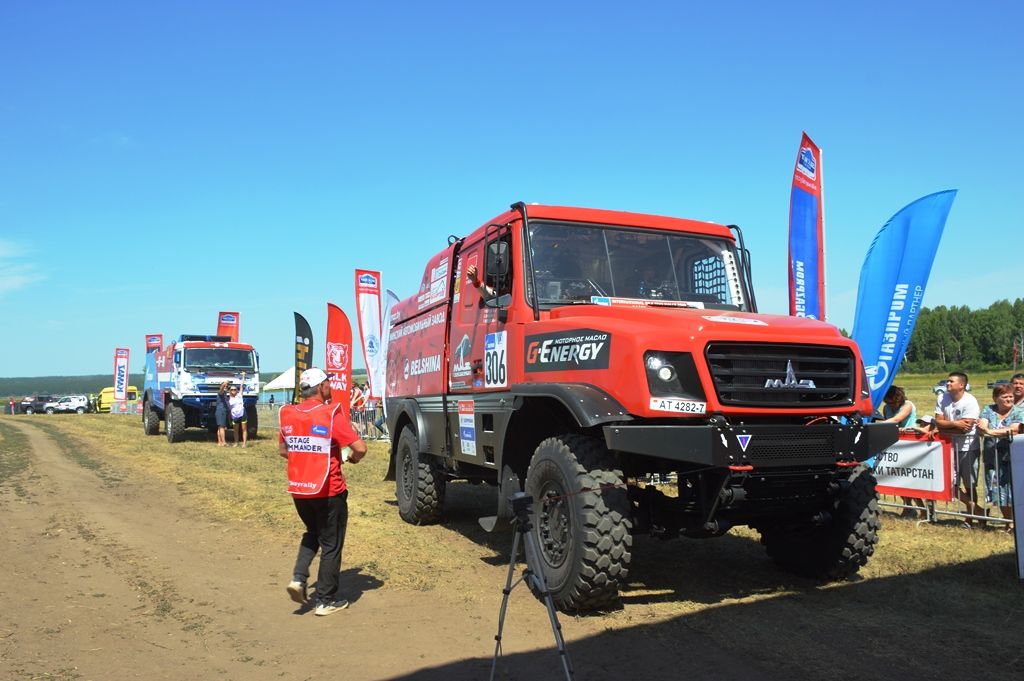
(568, 350)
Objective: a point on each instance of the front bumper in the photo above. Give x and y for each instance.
(760, 446)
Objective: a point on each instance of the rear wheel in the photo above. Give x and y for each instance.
(174, 416)
(150, 419)
(80, 410)
(419, 482)
(837, 549)
(581, 521)
(29, 410)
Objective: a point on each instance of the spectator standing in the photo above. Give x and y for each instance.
(999, 422)
(901, 411)
(220, 414)
(236, 405)
(316, 438)
(956, 415)
(356, 404)
(1017, 384)
(271, 401)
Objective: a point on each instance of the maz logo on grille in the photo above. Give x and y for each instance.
(790, 382)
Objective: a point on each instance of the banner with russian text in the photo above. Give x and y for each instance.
(892, 284)
(391, 299)
(303, 352)
(121, 356)
(154, 341)
(227, 325)
(339, 353)
(915, 466)
(1017, 483)
(807, 235)
(368, 316)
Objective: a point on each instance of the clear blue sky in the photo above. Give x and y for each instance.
(163, 161)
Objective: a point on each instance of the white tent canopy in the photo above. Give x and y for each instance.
(285, 381)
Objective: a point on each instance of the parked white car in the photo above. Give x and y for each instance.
(67, 404)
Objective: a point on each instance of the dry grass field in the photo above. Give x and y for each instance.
(934, 601)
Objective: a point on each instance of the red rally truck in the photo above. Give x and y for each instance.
(606, 350)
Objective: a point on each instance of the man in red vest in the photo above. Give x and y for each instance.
(315, 438)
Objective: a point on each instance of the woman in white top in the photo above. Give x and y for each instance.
(236, 405)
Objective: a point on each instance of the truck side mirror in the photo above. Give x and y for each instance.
(497, 259)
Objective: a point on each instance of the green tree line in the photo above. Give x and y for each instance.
(949, 338)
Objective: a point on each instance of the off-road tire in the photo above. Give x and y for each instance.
(419, 482)
(838, 549)
(252, 422)
(174, 418)
(150, 419)
(581, 520)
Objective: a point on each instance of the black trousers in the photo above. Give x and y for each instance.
(326, 519)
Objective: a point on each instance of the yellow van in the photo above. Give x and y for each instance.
(106, 396)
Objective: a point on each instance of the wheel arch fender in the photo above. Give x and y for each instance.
(407, 413)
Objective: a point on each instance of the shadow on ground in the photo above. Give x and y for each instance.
(907, 627)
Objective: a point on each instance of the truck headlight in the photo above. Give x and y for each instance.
(672, 374)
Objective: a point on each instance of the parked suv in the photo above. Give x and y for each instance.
(70, 403)
(35, 403)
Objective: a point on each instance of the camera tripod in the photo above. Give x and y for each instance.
(533, 575)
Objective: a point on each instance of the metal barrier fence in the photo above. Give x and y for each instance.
(990, 497)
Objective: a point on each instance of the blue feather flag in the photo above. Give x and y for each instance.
(892, 285)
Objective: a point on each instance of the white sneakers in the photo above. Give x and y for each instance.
(297, 590)
(324, 609)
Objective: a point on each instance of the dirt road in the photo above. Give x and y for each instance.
(112, 577)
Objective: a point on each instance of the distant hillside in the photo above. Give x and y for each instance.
(61, 385)
(83, 385)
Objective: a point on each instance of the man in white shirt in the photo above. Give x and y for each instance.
(956, 413)
(1017, 384)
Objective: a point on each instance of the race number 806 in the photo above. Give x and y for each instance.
(495, 360)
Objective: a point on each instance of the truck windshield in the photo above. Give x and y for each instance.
(225, 359)
(576, 263)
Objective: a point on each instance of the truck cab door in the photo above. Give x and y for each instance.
(478, 363)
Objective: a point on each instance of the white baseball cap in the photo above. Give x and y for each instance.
(312, 377)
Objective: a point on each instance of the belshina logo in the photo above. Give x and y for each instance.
(790, 382)
(806, 164)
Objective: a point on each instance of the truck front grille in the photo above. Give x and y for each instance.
(791, 448)
(757, 375)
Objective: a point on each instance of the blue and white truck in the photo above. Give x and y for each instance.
(182, 381)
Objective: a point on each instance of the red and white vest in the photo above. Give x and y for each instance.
(307, 435)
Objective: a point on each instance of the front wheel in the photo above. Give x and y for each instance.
(252, 422)
(174, 416)
(419, 482)
(581, 521)
(49, 410)
(80, 410)
(837, 549)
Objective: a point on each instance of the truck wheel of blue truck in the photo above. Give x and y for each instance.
(252, 421)
(174, 416)
(838, 548)
(419, 482)
(581, 520)
(150, 419)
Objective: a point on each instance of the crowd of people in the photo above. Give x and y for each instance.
(980, 440)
